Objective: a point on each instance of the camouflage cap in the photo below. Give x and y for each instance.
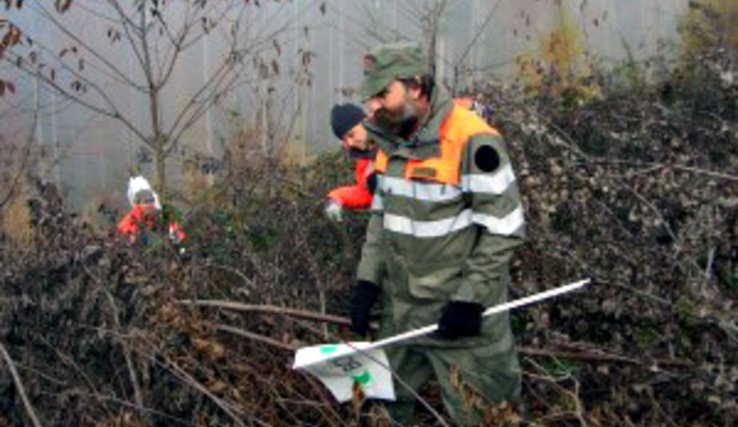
(389, 62)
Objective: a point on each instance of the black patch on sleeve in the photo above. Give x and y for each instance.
(486, 159)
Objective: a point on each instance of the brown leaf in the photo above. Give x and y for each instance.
(62, 5)
(217, 386)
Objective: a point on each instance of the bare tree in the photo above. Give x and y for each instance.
(155, 37)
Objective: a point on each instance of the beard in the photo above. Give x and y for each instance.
(401, 120)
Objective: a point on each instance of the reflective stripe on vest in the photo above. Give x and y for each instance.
(505, 226)
(419, 190)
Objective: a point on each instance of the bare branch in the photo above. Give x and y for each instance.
(19, 387)
(269, 309)
(120, 74)
(227, 408)
(115, 114)
(578, 353)
(138, 396)
(127, 25)
(256, 337)
(474, 40)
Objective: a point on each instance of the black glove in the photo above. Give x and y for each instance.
(460, 319)
(371, 182)
(363, 297)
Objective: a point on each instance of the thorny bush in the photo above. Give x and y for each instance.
(636, 190)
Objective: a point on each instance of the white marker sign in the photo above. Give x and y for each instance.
(339, 366)
(339, 373)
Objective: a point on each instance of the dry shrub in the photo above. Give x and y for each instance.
(636, 190)
(16, 223)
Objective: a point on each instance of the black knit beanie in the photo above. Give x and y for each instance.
(344, 117)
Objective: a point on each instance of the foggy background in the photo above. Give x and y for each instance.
(317, 48)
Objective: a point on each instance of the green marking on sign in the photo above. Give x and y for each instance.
(328, 349)
(363, 378)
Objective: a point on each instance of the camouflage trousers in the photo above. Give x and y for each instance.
(469, 378)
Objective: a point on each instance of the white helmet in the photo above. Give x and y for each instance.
(139, 183)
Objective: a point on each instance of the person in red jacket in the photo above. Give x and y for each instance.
(145, 216)
(346, 121)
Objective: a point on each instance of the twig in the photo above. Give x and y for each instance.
(69, 361)
(651, 297)
(654, 166)
(658, 407)
(137, 395)
(587, 356)
(591, 355)
(243, 277)
(199, 387)
(121, 402)
(710, 260)
(578, 411)
(652, 207)
(19, 386)
(288, 347)
(256, 337)
(598, 357)
(160, 359)
(338, 320)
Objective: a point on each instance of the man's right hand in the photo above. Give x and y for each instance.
(334, 211)
(363, 297)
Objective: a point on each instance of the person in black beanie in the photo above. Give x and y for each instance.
(347, 123)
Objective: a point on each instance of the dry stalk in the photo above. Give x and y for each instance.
(19, 386)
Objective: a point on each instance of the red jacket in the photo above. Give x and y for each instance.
(128, 226)
(357, 196)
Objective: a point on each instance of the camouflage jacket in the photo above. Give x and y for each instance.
(446, 217)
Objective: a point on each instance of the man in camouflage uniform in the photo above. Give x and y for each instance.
(446, 218)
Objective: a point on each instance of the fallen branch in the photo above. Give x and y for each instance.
(308, 315)
(19, 386)
(585, 355)
(256, 337)
(591, 355)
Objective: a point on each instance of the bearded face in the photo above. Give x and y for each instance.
(395, 108)
(393, 116)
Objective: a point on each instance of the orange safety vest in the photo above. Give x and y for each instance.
(456, 129)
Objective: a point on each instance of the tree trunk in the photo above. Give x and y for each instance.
(161, 169)
(158, 141)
